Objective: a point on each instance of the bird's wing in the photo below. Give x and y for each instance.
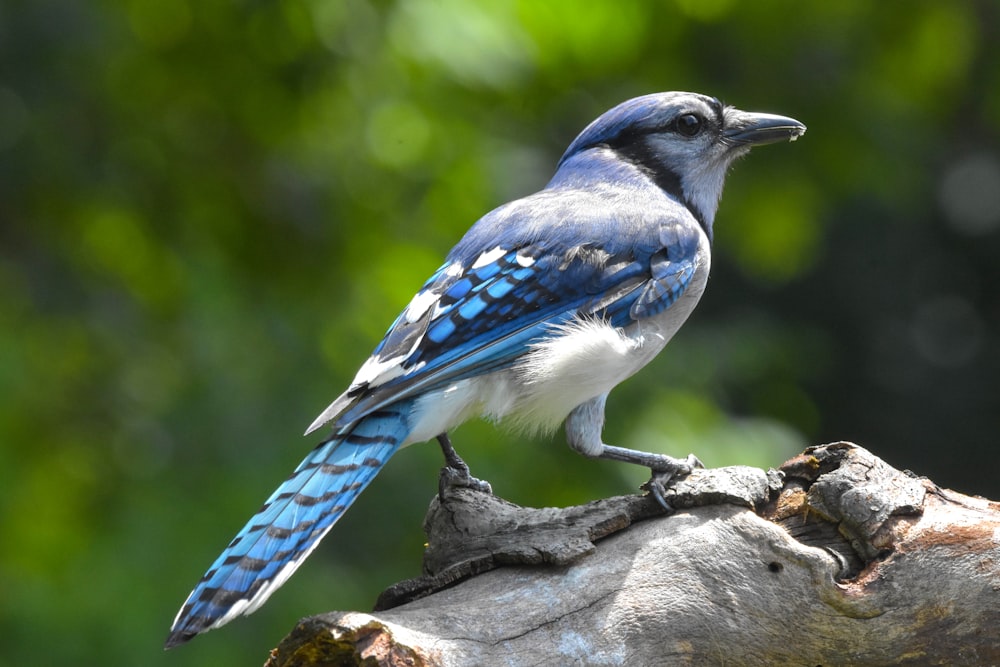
(472, 317)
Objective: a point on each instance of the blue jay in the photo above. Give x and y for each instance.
(544, 306)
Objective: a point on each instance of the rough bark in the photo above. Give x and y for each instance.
(835, 559)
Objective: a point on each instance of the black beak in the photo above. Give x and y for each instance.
(753, 129)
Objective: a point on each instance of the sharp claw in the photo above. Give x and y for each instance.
(657, 485)
(657, 490)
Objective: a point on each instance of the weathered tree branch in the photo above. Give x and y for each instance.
(837, 559)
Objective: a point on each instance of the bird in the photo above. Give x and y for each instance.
(545, 305)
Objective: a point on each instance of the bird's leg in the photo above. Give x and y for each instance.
(583, 430)
(664, 468)
(456, 471)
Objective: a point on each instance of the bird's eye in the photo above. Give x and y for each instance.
(689, 124)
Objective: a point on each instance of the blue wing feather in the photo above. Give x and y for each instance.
(487, 316)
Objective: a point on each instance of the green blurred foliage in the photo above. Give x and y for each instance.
(210, 211)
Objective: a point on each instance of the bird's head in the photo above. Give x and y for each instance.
(684, 142)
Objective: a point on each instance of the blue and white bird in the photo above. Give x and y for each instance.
(544, 306)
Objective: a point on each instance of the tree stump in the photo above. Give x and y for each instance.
(834, 559)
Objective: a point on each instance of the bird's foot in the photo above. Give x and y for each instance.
(456, 471)
(666, 471)
(451, 477)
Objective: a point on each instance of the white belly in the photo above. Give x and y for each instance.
(584, 359)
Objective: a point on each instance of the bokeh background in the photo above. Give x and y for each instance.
(210, 211)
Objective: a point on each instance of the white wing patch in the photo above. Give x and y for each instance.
(426, 299)
(375, 371)
(419, 305)
(488, 257)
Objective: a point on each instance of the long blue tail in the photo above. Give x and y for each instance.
(291, 523)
